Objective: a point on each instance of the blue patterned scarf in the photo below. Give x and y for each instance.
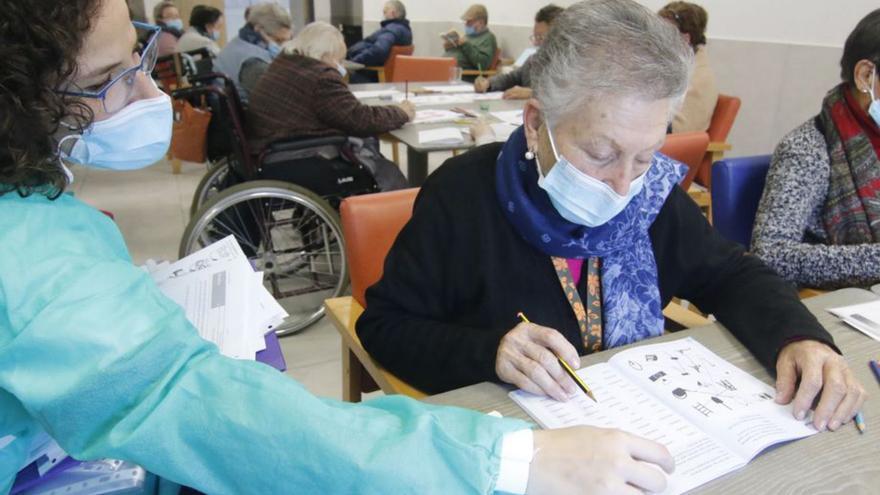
(630, 293)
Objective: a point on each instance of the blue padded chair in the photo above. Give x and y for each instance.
(737, 185)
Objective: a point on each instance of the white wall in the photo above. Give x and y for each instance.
(814, 22)
(779, 56)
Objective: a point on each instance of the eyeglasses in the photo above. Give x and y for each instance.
(536, 38)
(115, 94)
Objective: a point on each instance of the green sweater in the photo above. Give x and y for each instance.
(477, 52)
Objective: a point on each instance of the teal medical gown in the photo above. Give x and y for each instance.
(93, 353)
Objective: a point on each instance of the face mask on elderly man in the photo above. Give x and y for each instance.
(579, 198)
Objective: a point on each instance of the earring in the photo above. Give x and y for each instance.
(530, 155)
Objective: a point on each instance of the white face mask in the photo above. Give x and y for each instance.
(579, 198)
(132, 138)
(341, 69)
(874, 108)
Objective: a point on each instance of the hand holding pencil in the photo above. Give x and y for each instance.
(526, 358)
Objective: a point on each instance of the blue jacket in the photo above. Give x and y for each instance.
(375, 48)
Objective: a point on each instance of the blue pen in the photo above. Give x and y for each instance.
(875, 368)
(860, 422)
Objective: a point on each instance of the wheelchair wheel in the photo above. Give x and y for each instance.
(289, 233)
(211, 184)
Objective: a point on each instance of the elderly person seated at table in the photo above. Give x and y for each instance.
(375, 49)
(702, 94)
(580, 224)
(245, 58)
(516, 84)
(204, 30)
(476, 49)
(168, 18)
(303, 94)
(817, 221)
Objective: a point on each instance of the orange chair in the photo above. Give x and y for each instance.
(421, 69)
(487, 71)
(370, 224)
(722, 121)
(688, 148)
(386, 71)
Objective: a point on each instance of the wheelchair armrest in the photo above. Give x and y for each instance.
(289, 144)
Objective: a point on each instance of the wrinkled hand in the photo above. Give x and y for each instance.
(482, 132)
(481, 85)
(408, 107)
(525, 359)
(517, 93)
(820, 369)
(592, 460)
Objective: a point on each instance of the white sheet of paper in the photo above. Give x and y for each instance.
(443, 135)
(503, 130)
(363, 95)
(453, 88)
(436, 116)
(512, 117)
(528, 52)
(864, 317)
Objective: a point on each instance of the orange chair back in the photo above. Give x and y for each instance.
(370, 224)
(722, 121)
(421, 69)
(688, 148)
(395, 51)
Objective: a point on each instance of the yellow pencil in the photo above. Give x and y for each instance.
(574, 376)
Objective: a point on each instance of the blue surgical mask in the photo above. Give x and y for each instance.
(470, 30)
(134, 137)
(874, 109)
(274, 49)
(215, 35)
(341, 69)
(174, 24)
(579, 198)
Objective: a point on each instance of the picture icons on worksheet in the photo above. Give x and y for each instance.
(634, 365)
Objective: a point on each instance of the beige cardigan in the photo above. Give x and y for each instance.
(701, 97)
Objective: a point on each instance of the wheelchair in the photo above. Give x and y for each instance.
(281, 205)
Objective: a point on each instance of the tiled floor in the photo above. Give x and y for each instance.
(151, 207)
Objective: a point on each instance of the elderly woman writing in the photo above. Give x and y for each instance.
(303, 94)
(577, 222)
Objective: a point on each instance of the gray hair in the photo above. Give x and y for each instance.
(606, 48)
(398, 7)
(317, 40)
(270, 16)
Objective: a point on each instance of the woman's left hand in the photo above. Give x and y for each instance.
(819, 369)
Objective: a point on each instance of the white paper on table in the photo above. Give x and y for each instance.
(512, 117)
(443, 135)
(272, 314)
(503, 130)
(864, 317)
(435, 116)
(439, 99)
(378, 93)
(221, 252)
(493, 95)
(453, 88)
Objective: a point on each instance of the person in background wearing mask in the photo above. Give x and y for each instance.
(516, 84)
(303, 94)
(816, 224)
(245, 58)
(168, 18)
(92, 352)
(579, 223)
(205, 24)
(375, 48)
(476, 49)
(702, 95)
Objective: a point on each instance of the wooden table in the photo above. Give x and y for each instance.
(838, 462)
(416, 153)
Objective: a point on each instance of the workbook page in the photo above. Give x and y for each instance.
(621, 404)
(721, 399)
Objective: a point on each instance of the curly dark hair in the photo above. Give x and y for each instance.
(39, 44)
(690, 18)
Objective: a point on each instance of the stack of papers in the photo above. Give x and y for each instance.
(442, 136)
(448, 98)
(503, 130)
(454, 88)
(436, 116)
(222, 297)
(379, 93)
(864, 317)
